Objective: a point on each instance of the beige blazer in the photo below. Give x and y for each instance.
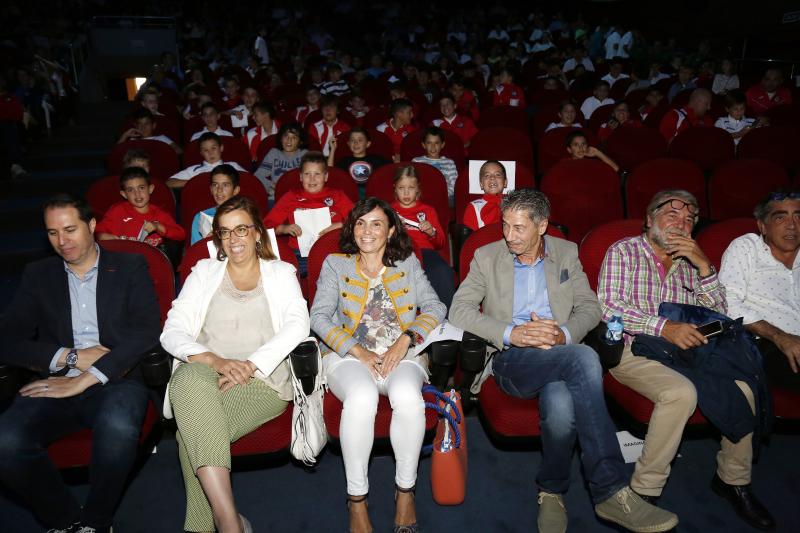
(490, 284)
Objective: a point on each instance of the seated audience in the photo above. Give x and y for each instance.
(266, 125)
(312, 104)
(769, 93)
(144, 128)
(665, 264)
(224, 186)
(760, 275)
(486, 209)
(736, 123)
(329, 126)
(506, 92)
(336, 85)
(466, 101)
(620, 118)
(422, 225)
(599, 98)
(136, 218)
(577, 145)
(579, 57)
(686, 82)
(461, 125)
(211, 150)
(361, 164)
(314, 194)
(567, 115)
(210, 114)
(236, 320)
(726, 79)
(614, 73)
(534, 334)
(357, 105)
(82, 320)
(231, 97)
(694, 114)
(399, 125)
(370, 335)
(433, 144)
(283, 158)
(654, 99)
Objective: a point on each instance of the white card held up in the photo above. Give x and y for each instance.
(239, 122)
(475, 177)
(311, 221)
(409, 222)
(205, 225)
(443, 332)
(630, 446)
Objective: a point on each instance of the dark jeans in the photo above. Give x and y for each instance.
(776, 366)
(440, 275)
(568, 380)
(114, 412)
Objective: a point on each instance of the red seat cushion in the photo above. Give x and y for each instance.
(785, 403)
(75, 450)
(333, 415)
(273, 436)
(636, 405)
(507, 415)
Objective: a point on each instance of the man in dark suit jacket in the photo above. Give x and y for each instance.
(81, 321)
(527, 296)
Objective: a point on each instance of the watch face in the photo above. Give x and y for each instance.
(72, 359)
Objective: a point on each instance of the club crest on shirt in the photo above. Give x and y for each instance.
(328, 201)
(421, 216)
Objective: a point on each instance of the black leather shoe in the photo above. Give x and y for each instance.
(745, 503)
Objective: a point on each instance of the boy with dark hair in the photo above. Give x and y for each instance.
(450, 120)
(312, 104)
(399, 125)
(433, 144)
(335, 85)
(266, 125)
(210, 114)
(211, 149)
(144, 126)
(736, 123)
(507, 92)
(224, 186)
(136, 158)
(361, 164)
(599, 98)
(136, 218)
(329, 126)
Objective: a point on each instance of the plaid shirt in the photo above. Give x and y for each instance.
(633, 283)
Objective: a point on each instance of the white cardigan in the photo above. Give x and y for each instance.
(287, 308)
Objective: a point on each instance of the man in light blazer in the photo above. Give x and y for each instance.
(536, 307)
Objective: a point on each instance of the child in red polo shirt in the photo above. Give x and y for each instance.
(452, 121)
(486, 209)
(422, 224)
(136, 218)
(399, 126)
(313, 195)
(507, 92)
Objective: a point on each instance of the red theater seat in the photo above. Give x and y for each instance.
(337, 179)
(630, 147)
(706, 147)
(504, 117)
(583, 193)
(595, 244)
(779, 144)
(552, 148)
(636, 405)
(233, 150)
(736, 186)
(432, 183)
(502, 144)
(104, 193)
(163, 159)
(600, 116)
(658, 174)
(714, 239)
(506, 415)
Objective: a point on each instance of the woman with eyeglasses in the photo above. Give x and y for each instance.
(231, 329)
(373, 306)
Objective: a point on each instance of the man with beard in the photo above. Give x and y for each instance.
(665, 264)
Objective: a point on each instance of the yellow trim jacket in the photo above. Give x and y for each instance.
(342, 291)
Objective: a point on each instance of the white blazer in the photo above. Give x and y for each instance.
(287, 308)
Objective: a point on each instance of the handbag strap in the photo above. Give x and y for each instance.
(430, 389)
(450, 420)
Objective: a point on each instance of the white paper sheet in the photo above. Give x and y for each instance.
(236, 122)
(445, 331)
(475, 178)
(205, 225)
(409, 222)
(311, 221)
(630, 446)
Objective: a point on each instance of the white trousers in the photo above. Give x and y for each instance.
(352, 382)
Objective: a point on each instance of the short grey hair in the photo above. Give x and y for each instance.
(669, 194)
(533, 202)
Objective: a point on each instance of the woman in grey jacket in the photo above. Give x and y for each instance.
(366, 313)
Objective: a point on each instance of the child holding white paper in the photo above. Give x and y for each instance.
(314, 194)
(486, 209)
(224, 186)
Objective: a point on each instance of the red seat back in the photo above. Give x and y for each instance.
(234, 149)
(629, 147)
(104, 193)
(595, 244)
(658, 174)
(583, 193)
(453, 146)
(737, 185)
(776, 143)
(505, 117)
(337, 179)
(432, 183)
(502, 144)
(706, 147)
(268, 143)
(379, 145)
(523, 179)
(163, 159)
(552, 148)
(196, 196)
(714, 239)
(325, 245)
(158, 265)
(600, 116)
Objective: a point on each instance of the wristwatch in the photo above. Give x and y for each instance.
(72, 359)
(415, 338)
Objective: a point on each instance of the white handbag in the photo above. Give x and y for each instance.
(309, 434)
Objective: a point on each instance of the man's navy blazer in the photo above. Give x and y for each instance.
(39, 320)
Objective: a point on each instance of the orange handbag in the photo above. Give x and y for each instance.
(449, 449)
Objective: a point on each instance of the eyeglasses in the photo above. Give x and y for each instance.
(676, 204)
(780, 196)
(240, 231)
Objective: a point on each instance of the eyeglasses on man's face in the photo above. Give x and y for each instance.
(678, 205)
(781, 196)
(242, 230)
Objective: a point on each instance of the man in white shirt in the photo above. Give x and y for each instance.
(210, 115)
(761, 274)
(599, 98)
(614, 73)
(579, 58)
(211, 149)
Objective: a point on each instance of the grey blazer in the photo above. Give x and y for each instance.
(490, 283)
